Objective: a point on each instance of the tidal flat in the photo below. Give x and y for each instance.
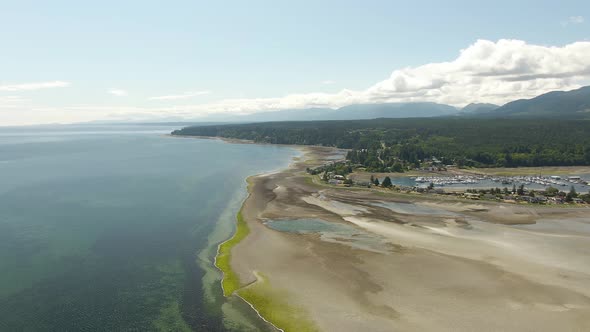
(448, 265)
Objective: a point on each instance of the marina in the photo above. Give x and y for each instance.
(579, 182)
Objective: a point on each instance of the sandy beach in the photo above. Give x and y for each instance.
(377, 261)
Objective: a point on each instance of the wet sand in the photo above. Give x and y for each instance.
(432, 264)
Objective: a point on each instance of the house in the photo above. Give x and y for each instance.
(539, 199)
(363, 184)
(556, 200)
(339, 177)
(524, 198)
(471, 195)
(578, 200)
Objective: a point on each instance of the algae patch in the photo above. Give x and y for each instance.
(272, 304)
(231, 281)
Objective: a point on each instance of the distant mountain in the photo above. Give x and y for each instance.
(573, 104)
(351, 112)
(392, 110)
(284, 115)
(474, 108)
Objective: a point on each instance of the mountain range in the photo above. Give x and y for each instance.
(351, 112)
(573, 104)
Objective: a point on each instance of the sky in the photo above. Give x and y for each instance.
(74, 61)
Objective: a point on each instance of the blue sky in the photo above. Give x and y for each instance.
(125, 54)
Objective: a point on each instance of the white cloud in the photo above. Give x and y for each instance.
(11, 101)
(328, 82)
(185, 95)
(573, 20)
(118, 92)
(576, 19)
(486, 71)
(33, 86)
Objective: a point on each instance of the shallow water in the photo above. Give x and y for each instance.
(413, 209)
(100, 227)
(345, 234)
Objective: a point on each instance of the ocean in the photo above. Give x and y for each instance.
(114, 228)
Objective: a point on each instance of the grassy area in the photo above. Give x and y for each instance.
(272, 304)
(231, 281)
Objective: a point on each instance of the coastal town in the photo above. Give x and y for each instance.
(523, 189)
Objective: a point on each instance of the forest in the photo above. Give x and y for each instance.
(400, 144)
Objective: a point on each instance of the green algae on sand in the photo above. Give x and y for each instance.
(272, 304)
(231, 282)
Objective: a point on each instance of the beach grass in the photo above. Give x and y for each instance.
(231, 281)
(272, 304)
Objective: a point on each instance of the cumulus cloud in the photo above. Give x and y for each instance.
(33, 86)
(118, 92)
(488, 71)
(485, 71)
(186, 95)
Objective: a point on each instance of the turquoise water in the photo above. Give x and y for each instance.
(100, 227)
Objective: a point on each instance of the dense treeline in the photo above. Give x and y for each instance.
(396, 144)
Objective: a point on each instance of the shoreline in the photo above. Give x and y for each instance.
(307, 268)
(322, 280)
(230, 281)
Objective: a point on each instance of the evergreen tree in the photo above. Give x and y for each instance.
(520, 190)
(387, 182)
(551, 191)
(571, 195)
(376, 182)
